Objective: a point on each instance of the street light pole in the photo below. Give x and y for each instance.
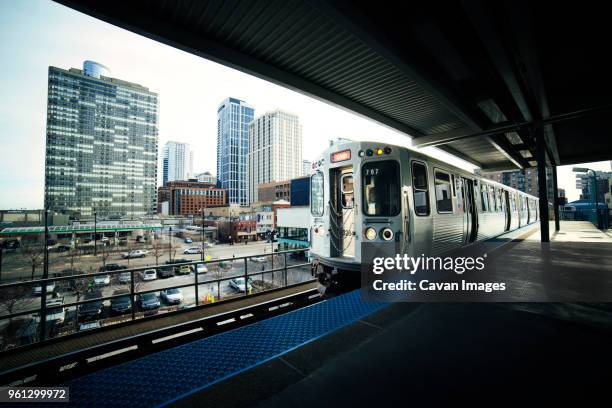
(95, 233)
(170, 241)
(202, 253)
(43, 292)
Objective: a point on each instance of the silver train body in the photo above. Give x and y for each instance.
(389, 194)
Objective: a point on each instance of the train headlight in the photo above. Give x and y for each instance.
(369, 152)
(387, 234)
(370, 233)
(379, 151)
(361, 153)
(387, 150)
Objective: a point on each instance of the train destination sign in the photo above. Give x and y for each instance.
(340, 156)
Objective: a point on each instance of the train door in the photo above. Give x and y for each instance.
(508, 211)
(469, 205)
(342, 217)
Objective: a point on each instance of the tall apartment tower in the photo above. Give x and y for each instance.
(177, 162)
(275, 150)
(233, 118)
(101, 152)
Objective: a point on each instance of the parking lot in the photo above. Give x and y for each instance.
(215, 284)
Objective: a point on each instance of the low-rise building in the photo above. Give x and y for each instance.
(277, 190)
(190, 197)
(293, 226)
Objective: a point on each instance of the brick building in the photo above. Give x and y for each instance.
(189, 197)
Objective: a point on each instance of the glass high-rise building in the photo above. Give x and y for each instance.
(177, 162)
(233, 118)
(101, 153)
(275, 150)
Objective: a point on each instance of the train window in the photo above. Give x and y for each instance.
(347, 190)
(484, 196)
(453, 183)
(444, 201)
(316, 194)
(492, 203)
(420, 189)
(381, 188)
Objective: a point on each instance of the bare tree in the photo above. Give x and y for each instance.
(130, 248)
(9, 298)
(32, 254)
(105, 253)
(72, 254)
(157, 250)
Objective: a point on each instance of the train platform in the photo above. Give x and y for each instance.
(65, 346)
(433, 353)
(169, 376)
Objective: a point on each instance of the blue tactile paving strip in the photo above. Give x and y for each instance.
(163, 377)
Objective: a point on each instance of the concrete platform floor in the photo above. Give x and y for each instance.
(431, 354)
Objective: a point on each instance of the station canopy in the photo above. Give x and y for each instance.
(77, 229)
(474, 78)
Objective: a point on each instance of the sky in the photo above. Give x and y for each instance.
(36, 34)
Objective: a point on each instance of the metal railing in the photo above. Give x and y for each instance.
(61, 368)
(79, 285)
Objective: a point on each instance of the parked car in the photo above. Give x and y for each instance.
(165, 272)
(68, 272)
(183, 270)
(259, 259)
(177, 261)
(10, 244)
(188, 240)
(238, 284)
(62, 248)
(148, 301)
(50, 288)
(120, 305)
(124, 277)
(112, 267)
(201, 268)
(149, 274)
(193, 250)
(55, 310)
(138, 253)
(93, 309)
(101, 280)
(172, 296)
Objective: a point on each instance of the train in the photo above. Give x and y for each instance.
(386, 194)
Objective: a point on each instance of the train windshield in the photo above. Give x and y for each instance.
(316, 194)
(381, 188)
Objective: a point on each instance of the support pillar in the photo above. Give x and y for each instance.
(538, 132)
(556, 197)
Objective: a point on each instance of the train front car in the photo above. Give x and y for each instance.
(355, 196)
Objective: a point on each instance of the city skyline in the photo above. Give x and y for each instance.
(190, 90)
